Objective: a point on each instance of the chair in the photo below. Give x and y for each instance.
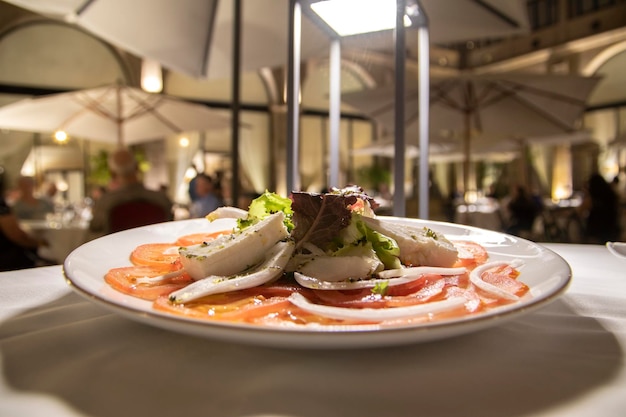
(136, 213)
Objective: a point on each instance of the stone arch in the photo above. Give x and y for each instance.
(601, 58)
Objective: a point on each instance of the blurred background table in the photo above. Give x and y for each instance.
(484, 213)
(62, 237)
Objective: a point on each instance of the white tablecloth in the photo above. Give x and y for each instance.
(62, 355)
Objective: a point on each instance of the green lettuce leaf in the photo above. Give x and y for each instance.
(386, 248)
(266, 204)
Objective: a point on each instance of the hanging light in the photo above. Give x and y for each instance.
(60, 136)
(151, 76)
(183, 142)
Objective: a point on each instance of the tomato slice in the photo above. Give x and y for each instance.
(197, 238)
(124, 280)
(155, 254)
(242, 308)
(504, 277)
(471, 254)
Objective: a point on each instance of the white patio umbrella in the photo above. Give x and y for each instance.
(195, 37)
(385, 147)
(500, 107)
(115, 113)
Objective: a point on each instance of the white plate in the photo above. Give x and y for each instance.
(618, 249)
(544, 272)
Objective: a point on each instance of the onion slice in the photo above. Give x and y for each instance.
(391, 277)
(476, 279)
(418, 271)
(268, 270)
(159, 278)
(227, 212)
(375, 314)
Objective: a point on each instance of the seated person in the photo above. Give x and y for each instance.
(27, 206)
(207, 197)
(18, 250)
(600, 211)
(523, 210)
(124, 169)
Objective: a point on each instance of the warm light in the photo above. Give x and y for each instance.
(28, 168)
(561, 192)
(351, 17)
(471, 196)
(183, 142)
(562, 173)
(190, 173)
(151, 76)
(60, 136)
(62, 185)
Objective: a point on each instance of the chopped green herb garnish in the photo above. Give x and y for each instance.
(381, 288)
(430, 233)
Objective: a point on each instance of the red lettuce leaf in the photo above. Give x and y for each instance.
(318, 218)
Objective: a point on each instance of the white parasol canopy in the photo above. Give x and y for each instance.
(114, 113)
(195, 37)
(492, 107)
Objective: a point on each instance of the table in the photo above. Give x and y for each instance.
(62, 238)
(485, 213)
(63, 356)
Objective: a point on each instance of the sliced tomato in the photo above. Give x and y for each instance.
(272, 311)
(432, 291)
(206, 307)
(276, 289)
(471, 254)
(504, 277)
(351, 298)
(155, 254)
(197, 238)
(426, 280)
(257, 308)
(409, 287)
(474, 302)
(125, 280)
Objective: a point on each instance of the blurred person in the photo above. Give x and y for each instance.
(523, 209)
(51, 191)
(97, 192)
(600, 211)
(27, 206)
(450, 204)
(208, 197)
(193, 196)
(125, 170)
(18, 250)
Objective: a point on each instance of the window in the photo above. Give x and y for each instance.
(581, 7)
(542, 13)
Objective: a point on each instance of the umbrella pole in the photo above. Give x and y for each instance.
(466, 150)
(236, 102)
(335, 110)
(118, 94)
(399, 200)
(293, 91)
(424, 136)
